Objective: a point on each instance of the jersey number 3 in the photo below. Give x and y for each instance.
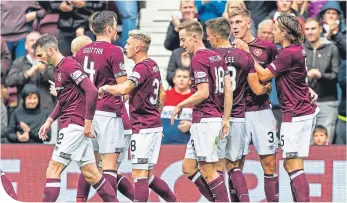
(89, 68)
(154, 99)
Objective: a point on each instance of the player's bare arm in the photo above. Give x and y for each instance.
(162, 95)
(121, 80)
(313, 96)
(228, 103)
(119, 89)
(256, 86)
(196, 98)
(47, 125)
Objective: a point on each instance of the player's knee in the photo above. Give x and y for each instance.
(269, 164)
(139, 173)
(54, 169)
(189, 167)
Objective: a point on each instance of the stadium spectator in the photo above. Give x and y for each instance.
(73, 20)
(300, 6)
(315, 6)
(284, 7)
(320, 136)
(181, 88)
(237, 4)
(5, 61)
(128, 12)
(4, 116)
(26, 120)
(208, 9)
(264, 32)
(179, 59)
(188, 11)
(341, 121)
(27, 69)
(334, 25)
(260, 9)
(323, 65)
(15, 19)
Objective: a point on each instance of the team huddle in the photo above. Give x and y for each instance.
(231, 82)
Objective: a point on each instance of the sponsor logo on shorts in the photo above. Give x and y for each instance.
(201, 158)
(292, 154)
(119, 150)
(56, 148)
(142, 160)
(133, 156)
(271, 147)
(65, 155)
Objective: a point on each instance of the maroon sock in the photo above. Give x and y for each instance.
(141, 190)
(105, 190)
(219, 190)
(6, 183)
(271, 187)
(201, 184)
(162, 189)
(111, 177)
(83, 188)
(299, 185)
(125, 187)
(232, 191)
(51, 191)
(240, 184)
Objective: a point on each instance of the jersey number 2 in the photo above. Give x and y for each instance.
(89, 69)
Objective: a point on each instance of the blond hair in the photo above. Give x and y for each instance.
(79, 42)
(142, 36)
(226, 9)
(295, 6)
(239, 11)
(191, 26)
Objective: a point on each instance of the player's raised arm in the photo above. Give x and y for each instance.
(120, 89)
(256, 86)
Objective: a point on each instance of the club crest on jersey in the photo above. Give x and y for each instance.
(199, 74)
(59, 77)
(122, 66)
(257, 52)
(136, 75)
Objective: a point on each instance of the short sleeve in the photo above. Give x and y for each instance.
(281, 64)
(117, 62)
(200, 72)
(274, 52)
(138, 75)
(75, 72)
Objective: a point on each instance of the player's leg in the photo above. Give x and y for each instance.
(52, 188)
(266, 144)
(238, 189)
(160, 187)
(205, 136)
(6, 183)
(220, 164)
(124, 185)
(295, 141)
(191, 170)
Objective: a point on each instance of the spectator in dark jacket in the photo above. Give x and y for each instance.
(5, 61)
(28, 70)
(341, 121)
(323, 65)
(334, 25)
(73, 20)
(260, 10)
(26, 120)
(284, 6)
(179, 59)
(300, 6)
(4, 116)
(188, 11)
(15, 16)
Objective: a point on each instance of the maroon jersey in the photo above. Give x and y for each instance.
(264, 52)
(125, 118)
(68, 75)
(103, 62)
(143, 100)
(292, 90)
(239, 63)
(207, 66)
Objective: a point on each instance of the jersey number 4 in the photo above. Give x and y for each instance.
(89, 68)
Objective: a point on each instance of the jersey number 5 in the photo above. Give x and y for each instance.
(89, 70)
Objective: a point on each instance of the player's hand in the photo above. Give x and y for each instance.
(101, 92)
(184, 126)
(52, 89)
(313, 96)
(65, 7)
(24, 126)
(241, 45)
(177, 111)
(88, 129)
(44, 130)
(225, 129)
(268, 87)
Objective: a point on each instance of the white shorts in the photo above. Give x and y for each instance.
(296, 136)
(204, 139)
(145, 148)
(261, 129)
(109, 132)
(124, 155)
(72, 145)
(232, 146)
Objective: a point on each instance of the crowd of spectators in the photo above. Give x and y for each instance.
(24, 81)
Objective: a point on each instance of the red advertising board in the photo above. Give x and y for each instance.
(25, 166)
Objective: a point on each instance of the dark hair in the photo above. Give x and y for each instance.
(220, 26)
(103, 19)
(182, 69)
(320, 128)
(46, 40)
(293, 28)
